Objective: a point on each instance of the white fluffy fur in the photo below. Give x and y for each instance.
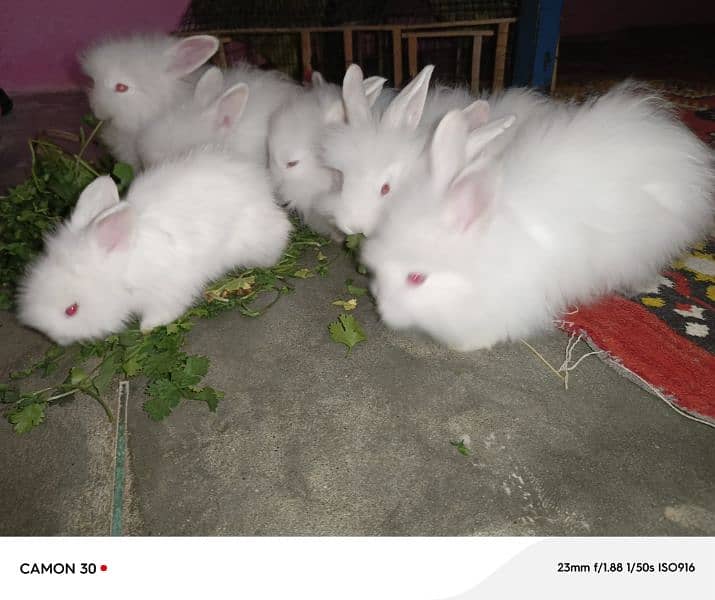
(585, 201)
(194, 123)
(386, 148)
(144, 63)
(303, 183)
(294, 135)
(182, 224)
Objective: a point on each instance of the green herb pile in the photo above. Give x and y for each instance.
(34, 207)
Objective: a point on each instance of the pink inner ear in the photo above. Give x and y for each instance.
(470, 197)
(477, 114)
(230, 106)
(112, 232)
(188, 55)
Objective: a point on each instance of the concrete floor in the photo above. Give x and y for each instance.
(308, 441)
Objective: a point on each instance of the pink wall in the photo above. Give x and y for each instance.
(599, 16)
(40, 39)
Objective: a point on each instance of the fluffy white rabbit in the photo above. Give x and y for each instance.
(375, 153)
(182, 224)
(302, 182)
(230, 108)
(136, 78)
(590, 200)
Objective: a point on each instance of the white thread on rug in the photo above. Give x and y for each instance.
(563, 323)
(606, 357)
(565, 367)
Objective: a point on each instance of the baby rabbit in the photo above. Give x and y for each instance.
(182, 224)
(303, 183)
(590, 200)
(231, 108)
(136, 78)
(375, 154)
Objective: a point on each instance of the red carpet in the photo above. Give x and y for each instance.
(664, 338)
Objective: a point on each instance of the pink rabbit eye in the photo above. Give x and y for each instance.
(71, 310)
(385, 189)
(292, 163)
(416, 278)
(121, 88)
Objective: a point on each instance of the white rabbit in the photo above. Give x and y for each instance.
(136, 78)
(375, 153)
(230, 108)
(590, 200)
(182, 224)
(303, 183)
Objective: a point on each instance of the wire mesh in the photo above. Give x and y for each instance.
(371, 49)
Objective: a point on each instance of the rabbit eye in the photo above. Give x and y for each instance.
(385, 189)
(71, 310)
(292, 163)
(416, 278)
(121, 87)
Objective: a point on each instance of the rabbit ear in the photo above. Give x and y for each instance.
(317, 80)
(406, 109)
(334, 113)
(372, 87)
(357, 108)
(447, 150)
(112, 229)
(97, 197)
(469, 197)
(208, 87)
(477, 113)
(190, 53)
(230, 105)
(481, 136)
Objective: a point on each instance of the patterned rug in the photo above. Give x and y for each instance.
(664, 337)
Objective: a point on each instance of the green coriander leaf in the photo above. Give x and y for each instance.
(461, 448)
(197, 365)
(110, 365)
(130, 337)
(210, 396)
(347, 331)
(346, 304)
(8, 395)
(27, 418)
(124, 174)
(353, 241)
(5, 301)
(90, 120)
(77, 376)
(164, 396)
(161, 363)
(354, 290)
(132, 367)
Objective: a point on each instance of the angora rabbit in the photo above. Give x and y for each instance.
(590, 200)
(136, 78)
(230, 108)
(375, 154)
(295, 131)
(181, 225)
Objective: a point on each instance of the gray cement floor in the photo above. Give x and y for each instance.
(308, 441)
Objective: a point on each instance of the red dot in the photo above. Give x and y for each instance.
(103, 568)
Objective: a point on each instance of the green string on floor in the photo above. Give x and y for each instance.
(120, 454)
